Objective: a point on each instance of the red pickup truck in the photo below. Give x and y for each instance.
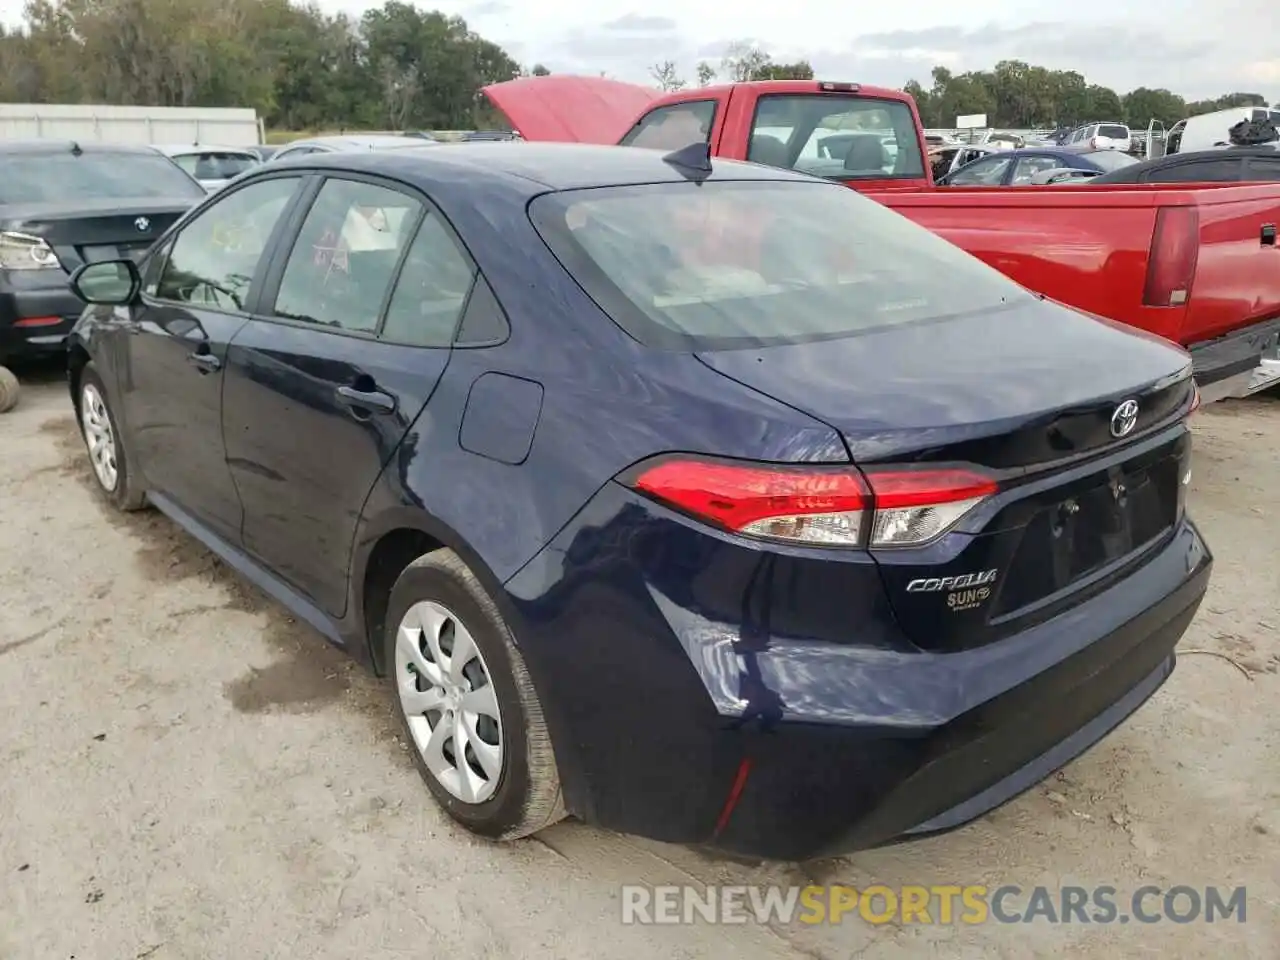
(1197, 264)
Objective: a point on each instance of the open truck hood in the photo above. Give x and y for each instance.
(567, 109)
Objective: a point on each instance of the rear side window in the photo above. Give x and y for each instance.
(839, 137)
(673, 127)
(729, 264)
(342, 263)
(1113, 131)
(1226, 170)
(432, 289)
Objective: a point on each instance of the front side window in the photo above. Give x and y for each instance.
(66, 177)
(988, 172)
(212, 261)
(839, 137)
(729, 264)
(432, 289)
(345, 256)
(673, 127)
(1024, 173)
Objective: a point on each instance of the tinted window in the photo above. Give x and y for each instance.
(737, 264)
(345, 256)
(1113, 131)
(836, 136)
(1028, 167)
(432, 289)
(484, 322)
(214, 258)
(1264, 168)
(673, 127)
(1109, 160)
(42, 177)
(988, 172)
(1204, 171)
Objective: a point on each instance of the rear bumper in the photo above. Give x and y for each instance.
(36, 313)
(671, 725)
(1238, 364)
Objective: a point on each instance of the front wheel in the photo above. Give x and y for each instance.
(107, 454)
(468, 706)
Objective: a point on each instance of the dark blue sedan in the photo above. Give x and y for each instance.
(709, 502)
(1020, 167)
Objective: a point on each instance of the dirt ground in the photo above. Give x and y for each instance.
(187, 772)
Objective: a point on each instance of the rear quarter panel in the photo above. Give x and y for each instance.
(1088, 246)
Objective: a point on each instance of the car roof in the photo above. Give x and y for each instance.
(55, 146)
(358, 141)
(534, 167)
(180, 149)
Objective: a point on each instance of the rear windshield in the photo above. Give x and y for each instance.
(55, 177)
(1110, 160)
(215, 166)
(1113, 131)
(732, 264)
(836, 136)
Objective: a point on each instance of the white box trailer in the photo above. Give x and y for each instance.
(224, 126)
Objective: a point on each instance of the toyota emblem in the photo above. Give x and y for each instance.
(143, 224)
(1124, 419)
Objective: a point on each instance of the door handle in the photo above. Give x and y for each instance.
(374, 400)
(204, 362)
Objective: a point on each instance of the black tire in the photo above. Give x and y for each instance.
(528, 797)
(9, 390)
(127, 494)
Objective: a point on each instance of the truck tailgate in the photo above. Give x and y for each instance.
(1089, 245)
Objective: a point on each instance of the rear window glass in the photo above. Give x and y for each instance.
(1113, 131)
(57, 177)
(1110, 159)
(840, 137)
(215, 166)
(740, 264)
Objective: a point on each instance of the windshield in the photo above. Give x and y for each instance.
(731, 264)
(1110, 159)
(47, 177)
(1113, 131)
(840, 137)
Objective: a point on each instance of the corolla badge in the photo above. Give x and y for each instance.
(143, 224)
(1124, 419)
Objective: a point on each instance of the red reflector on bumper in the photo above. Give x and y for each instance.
(38, 322)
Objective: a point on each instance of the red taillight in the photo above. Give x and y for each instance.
(816, 505)
(38, 322)
(1171, 266)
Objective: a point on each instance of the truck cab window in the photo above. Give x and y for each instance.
(672, 127)
(838, 137)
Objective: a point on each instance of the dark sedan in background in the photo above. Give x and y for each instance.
(63, 204)
(701, 500)
(1227, 165)
(1020, 167)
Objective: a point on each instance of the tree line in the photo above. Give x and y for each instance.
(401, 67)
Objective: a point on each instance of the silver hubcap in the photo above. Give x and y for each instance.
(449, 701)
(99, 437)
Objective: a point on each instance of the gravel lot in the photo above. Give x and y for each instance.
(189, 773)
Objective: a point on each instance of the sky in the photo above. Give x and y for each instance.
(1196, 48)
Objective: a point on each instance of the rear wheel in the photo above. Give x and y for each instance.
(107, 454)
(8, 390)
(470, 712)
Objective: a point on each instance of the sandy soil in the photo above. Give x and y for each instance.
(189, 773)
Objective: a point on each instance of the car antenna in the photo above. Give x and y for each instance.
(75, 149)
(693, 161)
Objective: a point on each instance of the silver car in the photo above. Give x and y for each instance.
(211, 165)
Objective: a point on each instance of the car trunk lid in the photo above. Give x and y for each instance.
(1077, 506)
(101, 230)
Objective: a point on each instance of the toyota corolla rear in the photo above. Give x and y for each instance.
(798, 658)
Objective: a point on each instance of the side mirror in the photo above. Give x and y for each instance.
(113, 283)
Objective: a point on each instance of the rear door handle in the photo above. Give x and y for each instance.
(374, 400)
(205, 362)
